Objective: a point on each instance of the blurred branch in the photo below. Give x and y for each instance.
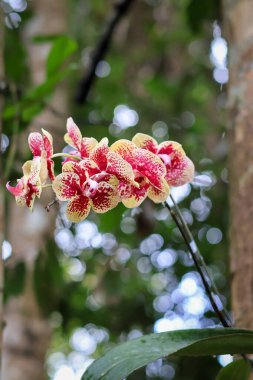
(2, 209)
(120, 9)
(201, 267)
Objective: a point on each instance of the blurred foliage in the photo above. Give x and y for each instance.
(158, 65)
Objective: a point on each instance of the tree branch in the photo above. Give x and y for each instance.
(120, 9)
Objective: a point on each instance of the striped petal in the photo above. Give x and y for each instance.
(66, 185)
(74, 136)
(99, 154)
(78, 208)
(159, 196)
(105, 198)
(36, 144)
(180, 172)
(145, 142)
(138, 195)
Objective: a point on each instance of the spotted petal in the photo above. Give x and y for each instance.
(138, 195)
(66, 185)
(120, 168)
(78, 208)
(35, 142)
(181, 172)
(99, 154)
(48, 143)
(144, 141)
(124, 148)
(105, 198)
(159, 196)
(150, 166)
(74, 136)
(87, 145)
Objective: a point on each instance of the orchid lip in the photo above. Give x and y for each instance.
(165, 158)
(90, 188)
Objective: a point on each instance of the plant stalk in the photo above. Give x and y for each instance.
(201, 267)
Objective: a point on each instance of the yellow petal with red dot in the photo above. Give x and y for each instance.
(181, 172)
(105, 198)
(120, 168)
(99, 154)
(78, 208)
(137, 195)
(145, 142)
(66, 185)
(124, 148)
(159, 196)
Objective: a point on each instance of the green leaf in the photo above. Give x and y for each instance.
(62, 48)
(126, 358)
(237, 370)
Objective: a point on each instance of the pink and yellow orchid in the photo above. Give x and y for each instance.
(84, 187)
(179, 168)
(42, 146)
(29, 186)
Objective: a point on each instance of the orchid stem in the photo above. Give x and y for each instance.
(198, 260)
(66, 155)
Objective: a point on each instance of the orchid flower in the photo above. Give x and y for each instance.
(82, 145)
(29, 186)
(149, 173)
(42, 146)
(179, 168)
(85, 187)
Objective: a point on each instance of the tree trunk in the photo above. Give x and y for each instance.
(238, 16)
(27, 332)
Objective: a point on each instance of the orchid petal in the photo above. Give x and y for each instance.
(48, 142)
(74, 136)
(120, 168)
(138, 195)
(19, 189)
(181, 172)
(87, 144)
(105, 198)
(66, 185)
(35, 141)
(149, 166)
(159, 196)
(145, 142)
(124, 148)
(99, 154)
(78, 208)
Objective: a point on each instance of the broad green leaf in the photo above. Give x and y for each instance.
(126, 358)
(62, 48)
(239, 369)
